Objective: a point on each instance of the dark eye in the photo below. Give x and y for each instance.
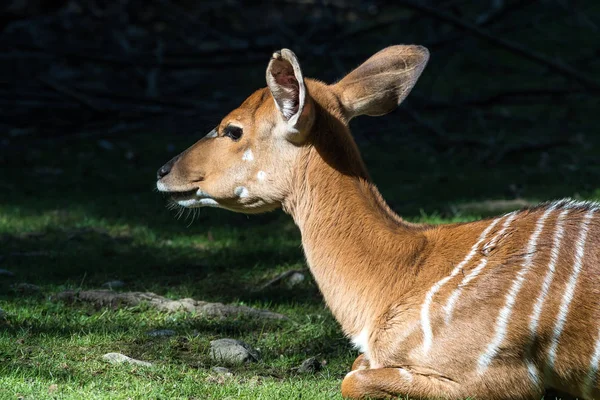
(234, 132)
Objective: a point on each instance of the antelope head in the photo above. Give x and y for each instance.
(249, 162)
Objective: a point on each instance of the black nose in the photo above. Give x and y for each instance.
(164, 170)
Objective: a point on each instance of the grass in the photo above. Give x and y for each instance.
(73, 216)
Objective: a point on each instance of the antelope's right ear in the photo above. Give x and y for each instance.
(380, 84)
(286, 83)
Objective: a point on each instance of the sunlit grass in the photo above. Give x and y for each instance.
(86, 227)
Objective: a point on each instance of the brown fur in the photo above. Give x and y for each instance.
(374, 269)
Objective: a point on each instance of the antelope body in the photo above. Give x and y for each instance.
(494, 309)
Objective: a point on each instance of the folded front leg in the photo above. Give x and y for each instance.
(385, 383)
(361, 362)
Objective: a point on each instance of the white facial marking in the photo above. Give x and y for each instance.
(241, 192)
(539, 304)
(198, 202)
(186, 203)
(590, 379)
(569, 292)
(212, 134)
(452, 300)
(248, 155)
(262, 175)
(503, 317)
(208, 202)
(361, 342)
(202, 193)
(425, 323)
(161, 187)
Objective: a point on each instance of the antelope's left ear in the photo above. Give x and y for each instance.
(285, 80)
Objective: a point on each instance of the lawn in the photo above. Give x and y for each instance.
(78, 213)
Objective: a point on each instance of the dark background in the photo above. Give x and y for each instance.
(102, 93)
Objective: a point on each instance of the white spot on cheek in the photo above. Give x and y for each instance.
(241, 192)
(262, 175)
(248, 156)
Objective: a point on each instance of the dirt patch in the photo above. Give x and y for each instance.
(107, 298)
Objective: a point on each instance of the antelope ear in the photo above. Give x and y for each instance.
(285, 80)
(382, 82)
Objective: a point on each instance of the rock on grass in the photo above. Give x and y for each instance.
(232, 351)
(222, 371)
(161, 333)
(118, 358)
(309, 366)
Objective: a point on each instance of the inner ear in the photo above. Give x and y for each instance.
(284, 78)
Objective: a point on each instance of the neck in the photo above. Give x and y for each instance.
(358, 250)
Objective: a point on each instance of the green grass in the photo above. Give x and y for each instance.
(73, 216)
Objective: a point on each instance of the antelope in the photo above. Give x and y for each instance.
(500, 308)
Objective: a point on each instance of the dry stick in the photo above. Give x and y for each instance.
(538, 58)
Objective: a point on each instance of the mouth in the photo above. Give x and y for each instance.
(183, 196)
(190, 198)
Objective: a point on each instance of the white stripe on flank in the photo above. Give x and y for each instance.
(590, 379)
(554, 253)
(532, 372)
(502, 320)
(561, 318)
(425, 323)
(492, 243)
(449, 307)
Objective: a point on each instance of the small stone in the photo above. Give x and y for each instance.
(161, 333)
(295, 279)
(5, 272)
(113, 284)
(232, 351)
(26, 288)
(222, 371)
(309, 366)
(118, 358)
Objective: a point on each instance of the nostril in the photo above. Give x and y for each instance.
(163, 171)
